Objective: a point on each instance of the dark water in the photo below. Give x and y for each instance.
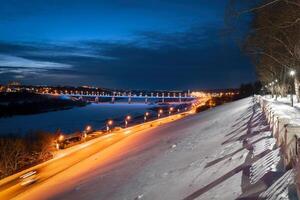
(72, 120)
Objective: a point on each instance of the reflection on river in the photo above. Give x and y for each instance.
(72, 120)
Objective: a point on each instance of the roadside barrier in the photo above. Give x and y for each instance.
(290, 145)
(287, 135)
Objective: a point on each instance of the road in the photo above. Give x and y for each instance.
(13, 186)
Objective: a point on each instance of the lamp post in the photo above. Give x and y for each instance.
(292, 74)
(170, 110)
(159, 113)
(145, 116)
(128, 117)
(61, 138)
(86, 131)
(108, 124)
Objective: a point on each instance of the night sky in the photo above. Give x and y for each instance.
(141, 44)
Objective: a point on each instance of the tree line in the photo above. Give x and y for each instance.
(272, 41)
(20, 152)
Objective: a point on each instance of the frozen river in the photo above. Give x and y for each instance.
(72, 120)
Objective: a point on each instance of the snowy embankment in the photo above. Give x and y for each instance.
(224, 153)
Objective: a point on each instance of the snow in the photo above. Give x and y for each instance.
(282, 107)
(224, 153)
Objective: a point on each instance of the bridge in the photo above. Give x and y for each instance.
(128, 97)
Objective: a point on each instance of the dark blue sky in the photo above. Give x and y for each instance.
(141, 44)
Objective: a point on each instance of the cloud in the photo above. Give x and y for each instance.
(19, 62)
(200, 57)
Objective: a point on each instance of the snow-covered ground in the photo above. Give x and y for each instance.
(282, 107)
(223, 153)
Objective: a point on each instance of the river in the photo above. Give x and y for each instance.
(72, 120)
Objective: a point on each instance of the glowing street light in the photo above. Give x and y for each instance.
(128, 117)
(170, 110)
(146, 115)
(108, 124)
(61, 138)
(292, 74)
(159, 113)
(88, 128)
(86, 131)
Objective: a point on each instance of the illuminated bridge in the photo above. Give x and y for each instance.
(163, 97)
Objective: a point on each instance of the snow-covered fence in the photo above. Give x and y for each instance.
(290, 145)
(281, 129)
(285, 133)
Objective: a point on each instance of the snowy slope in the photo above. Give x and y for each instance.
(223, 153)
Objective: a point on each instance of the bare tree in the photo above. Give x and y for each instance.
(273, 41)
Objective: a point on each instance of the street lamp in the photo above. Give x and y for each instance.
(86, 131)
(108, 124)
(146, 115)
(88, 128)
(159, 113)
(61, 138)
(292, 74)
(128, 117)
(170, 110)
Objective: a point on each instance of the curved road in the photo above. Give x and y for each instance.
(14, 185)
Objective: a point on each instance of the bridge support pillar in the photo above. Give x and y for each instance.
(129, 100)
(113, 99)
(146, 99)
